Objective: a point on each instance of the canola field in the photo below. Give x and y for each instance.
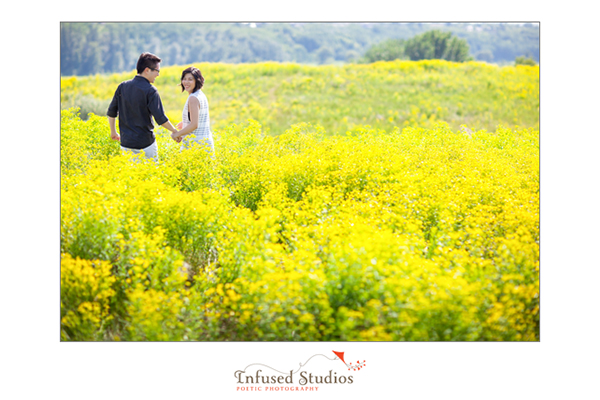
(406, 228)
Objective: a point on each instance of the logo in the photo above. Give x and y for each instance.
(263, 378)
(355, 367)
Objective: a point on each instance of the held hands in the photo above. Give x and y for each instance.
(174, 135)
(176, 138)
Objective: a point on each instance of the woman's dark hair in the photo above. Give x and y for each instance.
(197, 77)
(147, 60)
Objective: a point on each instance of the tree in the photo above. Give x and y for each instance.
(389, 50)
(439, 45)
(522, 60)
(114, 57)
(92, 59)
(485, 55)
(325, 55)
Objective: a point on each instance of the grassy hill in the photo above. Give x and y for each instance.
(382, 95)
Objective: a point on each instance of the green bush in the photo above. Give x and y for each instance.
(522, 60)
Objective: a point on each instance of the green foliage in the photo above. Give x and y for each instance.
(437, 45)
(389, 50)
(76, 148)
(522, 60)
(86, 291)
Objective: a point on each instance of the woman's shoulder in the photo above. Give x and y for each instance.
(199, 94)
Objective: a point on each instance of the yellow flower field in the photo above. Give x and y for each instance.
(415, 231)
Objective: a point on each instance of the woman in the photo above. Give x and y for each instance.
(196, 121)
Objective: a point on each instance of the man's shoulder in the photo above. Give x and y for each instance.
(127, 82)
(144, 84)
(152, 88)
(139, 85)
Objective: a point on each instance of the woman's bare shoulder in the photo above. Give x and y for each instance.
(193, 100)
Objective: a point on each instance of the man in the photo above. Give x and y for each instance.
(135, 102)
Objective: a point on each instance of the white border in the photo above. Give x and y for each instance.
(40, 366)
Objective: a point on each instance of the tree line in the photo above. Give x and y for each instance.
(90, 48)
(431, 45)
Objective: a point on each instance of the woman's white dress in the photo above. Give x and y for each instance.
(202, 133)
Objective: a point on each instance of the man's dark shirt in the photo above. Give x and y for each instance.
(135, 101)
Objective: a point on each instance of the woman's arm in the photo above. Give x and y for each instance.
(194, 109)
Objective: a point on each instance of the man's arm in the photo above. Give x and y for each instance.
(112, 113)
(169, 126)
(113, 128)
(156, 109)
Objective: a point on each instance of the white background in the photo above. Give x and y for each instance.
(37, 365)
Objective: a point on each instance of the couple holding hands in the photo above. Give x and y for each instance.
(136, 101)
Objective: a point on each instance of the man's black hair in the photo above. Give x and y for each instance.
(147, 60)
